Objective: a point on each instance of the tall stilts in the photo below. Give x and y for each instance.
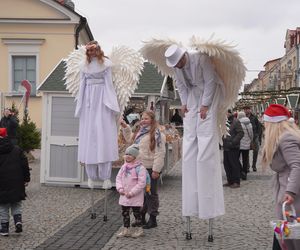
(210, 230)
(106, 185)
(188, 234)
(93, 214)
(105, 206)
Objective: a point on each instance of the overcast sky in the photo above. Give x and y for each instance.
(257, 27)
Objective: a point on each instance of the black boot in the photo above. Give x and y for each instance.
(18, 223)
(4, 229)
(143, 221)
(151, 222)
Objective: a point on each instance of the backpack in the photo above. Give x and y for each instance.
(148, 179)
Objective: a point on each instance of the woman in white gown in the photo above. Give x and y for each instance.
(97, 109)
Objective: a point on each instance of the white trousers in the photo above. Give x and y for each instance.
(202, 190)
(100, 171)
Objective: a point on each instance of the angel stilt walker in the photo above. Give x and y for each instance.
(208, 80)
(97, 108)
(102, 88)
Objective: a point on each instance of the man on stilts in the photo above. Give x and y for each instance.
(204, 97)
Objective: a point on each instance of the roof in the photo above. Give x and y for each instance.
(82, 19)
(150, 82)
(55, 82)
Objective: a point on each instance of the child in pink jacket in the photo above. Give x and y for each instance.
(130, 183)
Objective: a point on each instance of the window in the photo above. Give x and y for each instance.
(23, 68)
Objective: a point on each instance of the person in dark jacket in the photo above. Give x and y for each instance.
(14, 176)
(176, 118)
(257, 132)
(231, 147)
(10, 122)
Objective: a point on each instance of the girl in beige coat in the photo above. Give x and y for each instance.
(282, 152)
(152, 152)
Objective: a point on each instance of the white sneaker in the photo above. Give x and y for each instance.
(124, 233)
(138, 231)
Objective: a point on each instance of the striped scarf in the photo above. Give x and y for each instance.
(144, 131)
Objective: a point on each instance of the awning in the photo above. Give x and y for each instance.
(281, 101)
(292, 100)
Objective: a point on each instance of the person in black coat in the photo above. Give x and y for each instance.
(10, 122)
(257, 133)
(14, 176)
(176, 118)
(231, 147)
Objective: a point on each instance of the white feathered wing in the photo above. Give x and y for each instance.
(230, 68)
(74, 62)
(126, 69)
(154, 51)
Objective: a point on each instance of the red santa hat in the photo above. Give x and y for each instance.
(3, 132)
(276, 113)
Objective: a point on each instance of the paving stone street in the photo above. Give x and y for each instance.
(59, 218)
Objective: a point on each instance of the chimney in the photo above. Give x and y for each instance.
(70, 4)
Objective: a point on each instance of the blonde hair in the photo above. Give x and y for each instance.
(99, 52)
(153, 127)
(273, 134)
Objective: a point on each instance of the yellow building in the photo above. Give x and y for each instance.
(34, 36)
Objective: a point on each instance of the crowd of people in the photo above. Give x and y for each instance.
(244, 134)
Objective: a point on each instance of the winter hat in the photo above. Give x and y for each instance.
(276, 113)
(173, 54)
(3, 132)
(132, 150)
(241, 114)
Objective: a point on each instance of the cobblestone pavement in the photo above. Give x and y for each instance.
(244, 226)
(58, 218)
(46, 210)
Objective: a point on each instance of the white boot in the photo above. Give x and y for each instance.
(124, 232)
(91, 183)
(138, 231)
(107, 184)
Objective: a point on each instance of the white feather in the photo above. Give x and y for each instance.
(226, 59)
(154, 51)
(229, 66)
(72, 72)
(126, 69)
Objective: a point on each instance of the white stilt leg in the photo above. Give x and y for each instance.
(210, 230)
(105, 206)
(93, 214)
(188, 234)
(106, 185)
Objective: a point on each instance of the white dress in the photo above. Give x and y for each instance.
(97, 108)
(202, 190)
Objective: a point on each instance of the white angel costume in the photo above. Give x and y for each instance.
(102, 91)
(97, 108)
(199, 85)
(211, 77)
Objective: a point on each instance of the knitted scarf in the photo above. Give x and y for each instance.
(144, 131)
